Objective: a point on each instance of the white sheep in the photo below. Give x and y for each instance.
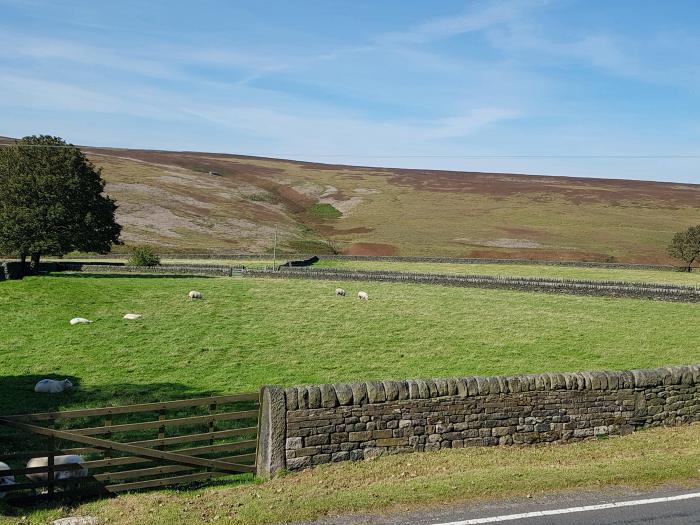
(363, 295)
(70, 459)
(340, 292)
(5, 480)
(79, 320)
(194, 295)
(51, 386)
(132, 317)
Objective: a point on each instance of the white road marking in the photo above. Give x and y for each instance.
(571, 510)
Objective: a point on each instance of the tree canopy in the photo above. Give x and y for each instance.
(686, 246)
(52, 202)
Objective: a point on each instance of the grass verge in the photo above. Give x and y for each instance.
(406, 482)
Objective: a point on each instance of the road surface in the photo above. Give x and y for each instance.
(619, 507)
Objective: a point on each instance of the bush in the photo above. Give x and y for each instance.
(143, 256)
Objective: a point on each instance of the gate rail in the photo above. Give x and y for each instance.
(139, 446)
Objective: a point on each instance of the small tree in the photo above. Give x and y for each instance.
(51, 201)
(686, 246)
(143, 256)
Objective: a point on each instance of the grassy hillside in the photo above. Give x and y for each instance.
(248, 332)
(172, 199)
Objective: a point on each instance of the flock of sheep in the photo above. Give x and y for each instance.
(360, 295)
(52, 386)
(79, 471)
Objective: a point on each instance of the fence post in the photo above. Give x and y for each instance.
(272, 433)
(50, 463)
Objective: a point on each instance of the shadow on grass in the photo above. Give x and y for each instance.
(17, 394)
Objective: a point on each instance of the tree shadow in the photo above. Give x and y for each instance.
(17, 394)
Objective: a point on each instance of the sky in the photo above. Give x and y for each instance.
(588, 88)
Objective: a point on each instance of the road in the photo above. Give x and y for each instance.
(620, 507)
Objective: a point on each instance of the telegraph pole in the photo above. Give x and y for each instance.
(274, 251)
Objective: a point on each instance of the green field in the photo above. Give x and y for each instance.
(521, 270)
(249, 332)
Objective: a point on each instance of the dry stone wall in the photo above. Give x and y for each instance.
(329, 423)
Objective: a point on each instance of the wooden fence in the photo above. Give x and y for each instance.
(127, 448)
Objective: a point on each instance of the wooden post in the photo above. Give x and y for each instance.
(51, 461)
(161, 430)
(212, 424)
(108, 423)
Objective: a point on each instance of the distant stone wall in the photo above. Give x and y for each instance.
(664, 292)
(310, 425)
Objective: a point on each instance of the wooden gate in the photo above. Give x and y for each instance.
(131, 447)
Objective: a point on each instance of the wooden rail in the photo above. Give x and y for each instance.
(118, 457)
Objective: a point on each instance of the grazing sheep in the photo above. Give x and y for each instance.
(132, 317)
(51, 386)
(70, 459)
(5, 480)
(340, 292)
(194, 295)
(363, 295)
(79, 320)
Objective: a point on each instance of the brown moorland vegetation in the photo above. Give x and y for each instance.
(174, 201)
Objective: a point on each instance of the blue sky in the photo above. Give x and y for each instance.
(445, 85)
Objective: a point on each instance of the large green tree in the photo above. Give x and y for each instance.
(686, 246)
(52, 201)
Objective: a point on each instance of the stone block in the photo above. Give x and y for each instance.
(360, 436)
(328, 396)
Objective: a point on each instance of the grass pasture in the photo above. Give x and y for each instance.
(249, 332)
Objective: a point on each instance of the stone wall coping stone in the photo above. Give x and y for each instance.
(376, 392)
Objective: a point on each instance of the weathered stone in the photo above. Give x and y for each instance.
(317, 439)
(314, 396)
(413, 391)
(375, 392)
(423, 390)
(343, 393)
(76, 520)
(328, 397)
(462, 388)
(472, 386)
(290, 395)
(359, 393)
(441, 385)
(294, 443)
(271, 454)
(432, 388)
(360, 436)
(391, 390)
(483, 385)
(403, 390)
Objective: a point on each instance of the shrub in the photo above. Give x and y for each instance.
(143, 256)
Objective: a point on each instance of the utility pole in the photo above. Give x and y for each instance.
(274, 251)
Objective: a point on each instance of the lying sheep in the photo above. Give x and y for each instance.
(132, 317)
(363, 295)
(340, 292)
(79, 320)
(51, 386)
(194, 295)
(5, 480)
(71, 459)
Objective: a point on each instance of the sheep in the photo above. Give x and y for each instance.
(340, 292)
(51, 386)
(79, 320)
(132, 317)
(363, 295)
(194, 295)
(5, 480)
(70, 459)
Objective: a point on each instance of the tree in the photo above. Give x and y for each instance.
(686, 246)
(51, 201)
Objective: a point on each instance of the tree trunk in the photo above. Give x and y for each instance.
(34, 265)
(23, 260)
